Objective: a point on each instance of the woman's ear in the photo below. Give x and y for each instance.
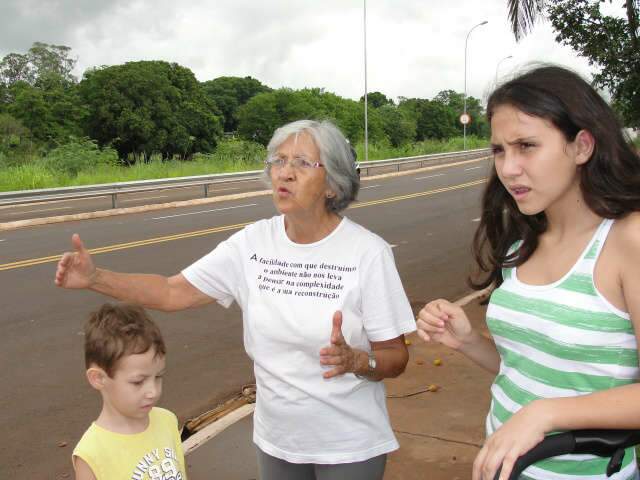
(96, 377)
(584, 144)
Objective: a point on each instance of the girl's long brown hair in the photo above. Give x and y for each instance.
(609, 181)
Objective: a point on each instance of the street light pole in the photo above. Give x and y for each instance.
(464, 125)
(498, 67)
(366, 123)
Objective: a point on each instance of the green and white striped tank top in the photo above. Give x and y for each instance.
(559, 340)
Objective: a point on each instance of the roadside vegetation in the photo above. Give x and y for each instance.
(154, 119)
(84, 163)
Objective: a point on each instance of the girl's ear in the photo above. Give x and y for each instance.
(96, 377)
(585, 144)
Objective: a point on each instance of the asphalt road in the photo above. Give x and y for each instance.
(429, 217)
(162, 195)
(67, 207)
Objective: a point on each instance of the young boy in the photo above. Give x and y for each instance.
(131, 439)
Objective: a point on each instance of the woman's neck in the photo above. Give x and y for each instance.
(310, 229)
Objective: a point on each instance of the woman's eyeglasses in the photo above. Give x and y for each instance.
(299, 163)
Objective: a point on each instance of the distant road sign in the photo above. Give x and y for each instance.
(465, 119)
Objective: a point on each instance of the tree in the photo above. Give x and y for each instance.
(258, 118)
(398, 125)
(376, 100)
(149, 107)
(52, 111)
(230, 93)
(13, 134)
(262, 114)
(40, 61)
(39, 89)
(455, 101)
(15, 67)
(611, 43)
(436, 120)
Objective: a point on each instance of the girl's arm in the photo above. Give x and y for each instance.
(615, 408)
(446, 323)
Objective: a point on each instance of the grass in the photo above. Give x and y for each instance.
(38, 171)
(382, 152)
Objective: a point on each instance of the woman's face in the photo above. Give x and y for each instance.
(296, 189)
(533, 160)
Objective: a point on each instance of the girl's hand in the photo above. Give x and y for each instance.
(442, 321)
(75, 269)
(523, 431)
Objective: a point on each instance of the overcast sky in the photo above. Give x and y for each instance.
(415, 48)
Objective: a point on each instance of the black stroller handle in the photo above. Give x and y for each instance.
(603, 443)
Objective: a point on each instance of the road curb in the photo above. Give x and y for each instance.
(127, 210)
(212, 430)
(187, 203)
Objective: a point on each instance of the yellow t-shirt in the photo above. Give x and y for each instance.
(155, 454)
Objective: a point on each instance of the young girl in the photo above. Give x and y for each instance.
(559, 239)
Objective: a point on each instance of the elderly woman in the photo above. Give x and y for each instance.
(324, 312)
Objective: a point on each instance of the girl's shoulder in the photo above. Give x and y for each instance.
(623, 246)
(626, 234)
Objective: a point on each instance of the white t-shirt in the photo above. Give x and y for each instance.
(288, 293)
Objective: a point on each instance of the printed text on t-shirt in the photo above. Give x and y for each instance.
(319, 280)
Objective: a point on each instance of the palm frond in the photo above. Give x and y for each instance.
(523, 15)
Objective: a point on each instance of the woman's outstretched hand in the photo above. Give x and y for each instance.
(444, 322)
(75, 269)
(339, 353)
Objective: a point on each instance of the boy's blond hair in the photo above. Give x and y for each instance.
(116, 330)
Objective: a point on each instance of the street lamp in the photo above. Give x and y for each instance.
(498, 66)
(366, 123)
(464, 125)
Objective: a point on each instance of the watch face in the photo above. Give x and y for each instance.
(372, 362)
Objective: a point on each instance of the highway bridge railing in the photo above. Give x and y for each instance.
(205, 181)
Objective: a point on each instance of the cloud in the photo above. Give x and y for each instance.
(414, 48)
(52, 21)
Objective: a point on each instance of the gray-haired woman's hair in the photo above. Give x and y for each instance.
(335, 155)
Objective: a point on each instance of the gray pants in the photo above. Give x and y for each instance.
(272, 468)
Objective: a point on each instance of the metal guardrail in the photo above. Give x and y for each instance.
(423, 160)
(205, 181)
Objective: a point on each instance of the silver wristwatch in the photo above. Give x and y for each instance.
(371, 366)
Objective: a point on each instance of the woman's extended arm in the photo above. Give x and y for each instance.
(76, 270)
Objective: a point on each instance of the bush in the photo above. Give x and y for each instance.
(78, 155)
(383, 150)
(233, 154)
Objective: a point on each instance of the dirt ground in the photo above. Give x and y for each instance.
(439, 432)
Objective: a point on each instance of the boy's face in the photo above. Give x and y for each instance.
(136, 384)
